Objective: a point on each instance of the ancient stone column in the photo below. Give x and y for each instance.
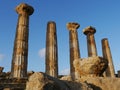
(51, 50)
(74, 45)
(91, 45)
(20, 52)
(110, 72)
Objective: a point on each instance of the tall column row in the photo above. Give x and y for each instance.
(20, 51)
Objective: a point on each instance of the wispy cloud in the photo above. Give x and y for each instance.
(65, 72)
(41, 53)
(1, 57)
(117, 67)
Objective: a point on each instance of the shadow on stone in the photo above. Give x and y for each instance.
(95, 87)
(50, 86)
(73, 85)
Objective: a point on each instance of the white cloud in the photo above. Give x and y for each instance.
(1, 56)
(117, 67)
(65, 72)
(41, 53)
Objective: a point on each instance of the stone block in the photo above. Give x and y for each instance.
(91, 66)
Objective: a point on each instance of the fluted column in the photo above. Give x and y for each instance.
(20, 52)
(89, 32)
(74, 45)
(51, 50)
(110, 72)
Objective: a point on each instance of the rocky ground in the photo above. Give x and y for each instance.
(41, 81)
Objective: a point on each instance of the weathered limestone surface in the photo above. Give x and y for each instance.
(67, 78)
(89, 32)
(78, 85)
(51, 50)
(5, 75)
(90, 67)
(93, 83)
(40, 81)
(74, 45)
(109, 72)
(12, 83)
(102, 83)
(20, 52)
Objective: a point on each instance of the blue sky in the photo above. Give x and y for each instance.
(104, 15)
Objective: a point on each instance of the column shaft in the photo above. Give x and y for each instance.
(20, 51)
(74, 49)
(110, 72)
(92, 51)
(51, 50)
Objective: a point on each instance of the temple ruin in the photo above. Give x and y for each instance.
(85, 73)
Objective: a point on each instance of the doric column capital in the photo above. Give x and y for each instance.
(73, 26)
(24, 9)
(89, 30)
